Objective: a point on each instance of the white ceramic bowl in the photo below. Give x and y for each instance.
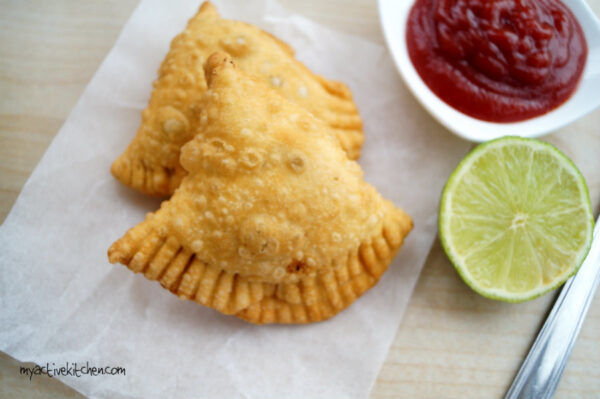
(394, 14)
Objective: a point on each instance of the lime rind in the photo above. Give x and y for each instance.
(443, 221)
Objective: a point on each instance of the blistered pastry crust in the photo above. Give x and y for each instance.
(309, 299)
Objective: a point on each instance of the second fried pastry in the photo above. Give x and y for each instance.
(151, 162)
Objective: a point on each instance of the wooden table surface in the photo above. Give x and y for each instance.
(451, 343)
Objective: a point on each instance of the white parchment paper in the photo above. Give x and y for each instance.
(61, 301)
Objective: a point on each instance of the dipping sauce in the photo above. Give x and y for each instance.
(497, 60)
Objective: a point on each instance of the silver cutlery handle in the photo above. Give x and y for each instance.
(541, 371)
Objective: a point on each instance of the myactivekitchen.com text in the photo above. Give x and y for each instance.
(70, 369)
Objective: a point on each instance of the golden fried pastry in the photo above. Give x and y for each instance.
(273, 223)
(151, 162)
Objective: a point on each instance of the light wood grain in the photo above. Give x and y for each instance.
(451, 343)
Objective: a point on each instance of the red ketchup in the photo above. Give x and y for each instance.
(497, 60)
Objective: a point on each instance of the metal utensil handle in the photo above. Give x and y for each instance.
(541, 371)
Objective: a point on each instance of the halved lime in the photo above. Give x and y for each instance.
(515, 219)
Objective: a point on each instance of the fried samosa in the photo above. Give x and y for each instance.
(273, 223)
(151, 162)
